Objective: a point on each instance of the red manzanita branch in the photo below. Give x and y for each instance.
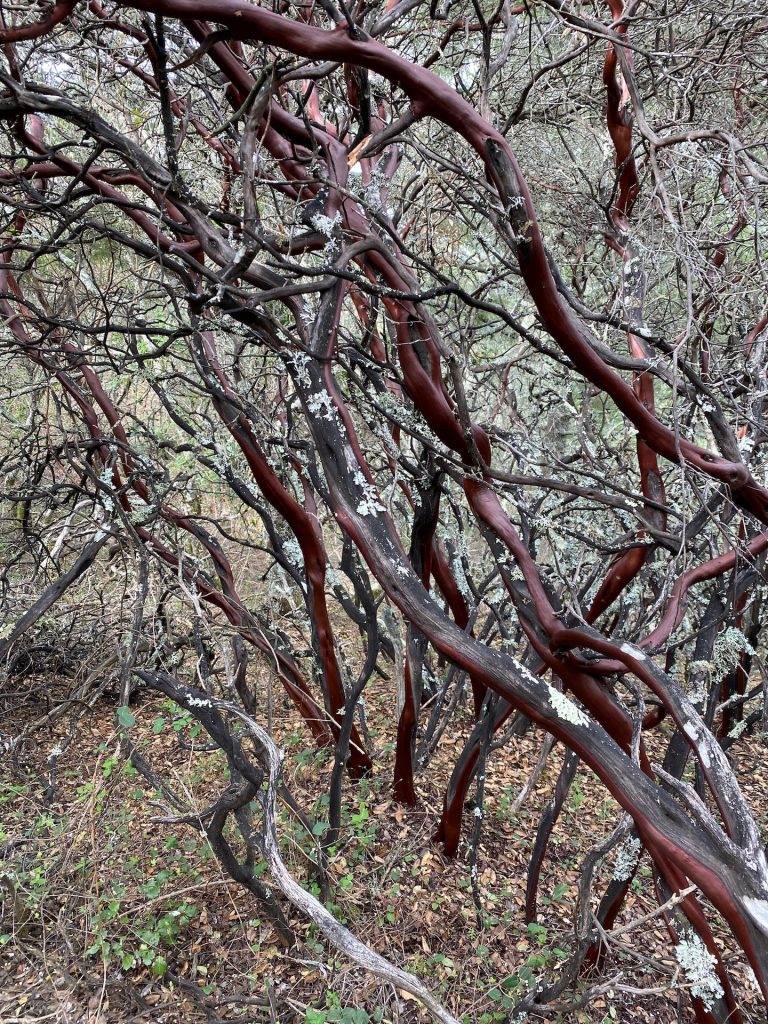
(228, 601)
(59, 13)
(306, 529)
(430, 96)
(742, 909)
(731, 870)
(619, 117)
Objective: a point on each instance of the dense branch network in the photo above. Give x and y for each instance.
(467, 351)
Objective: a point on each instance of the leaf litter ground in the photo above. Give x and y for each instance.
(108, 916)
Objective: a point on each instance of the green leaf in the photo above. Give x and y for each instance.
(351, 1015)
(152, 888)
(159, 966)
(125, 718)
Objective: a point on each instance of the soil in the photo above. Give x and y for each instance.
(111, 915)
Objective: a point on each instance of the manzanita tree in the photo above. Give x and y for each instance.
(464, 308)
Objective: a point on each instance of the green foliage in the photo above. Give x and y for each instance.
(129, 916)
(125, 717)
(335, 1013)
(507, 992)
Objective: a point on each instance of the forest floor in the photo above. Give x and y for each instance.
(111, 917)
